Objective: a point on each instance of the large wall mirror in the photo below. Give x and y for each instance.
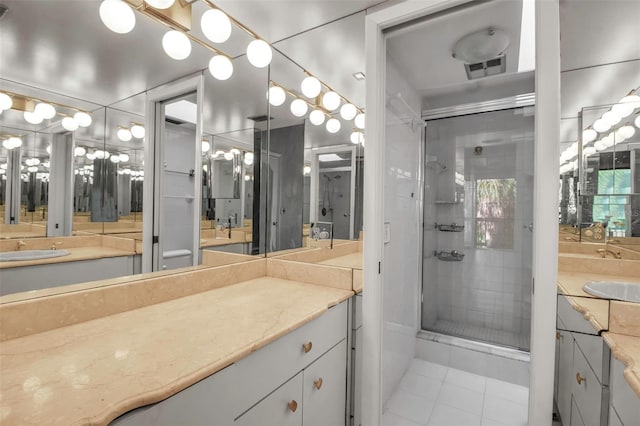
(269, 172)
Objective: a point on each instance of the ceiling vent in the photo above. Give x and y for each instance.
(259, 118)
(486, 68)
(174, 121)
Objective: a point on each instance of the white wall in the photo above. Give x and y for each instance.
(401, 269)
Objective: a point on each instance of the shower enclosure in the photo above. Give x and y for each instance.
(478, 214)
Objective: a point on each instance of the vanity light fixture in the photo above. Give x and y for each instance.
(333, 125)
(6, 102)
(259, 53)
(205, 147)
(636, 122)
(160, 4)
(276, 95)
(91, 156)
(83, 119)
(601, 126)
(299, 107)
(115, 159)
(248, 158)
(33, 117)
(310, 86)
(137, 130)
(626, 131)
(228, 156)
(589, 135)
(117, 16)
(331, 100)
(359, 121)
(124, 158)
(215, 25)
(124, 134)
(316, 117)
(45, 110)
(176, 45)
(79, 151)
(348, 112)
(611, 118)
(356, 137)
(306, 170)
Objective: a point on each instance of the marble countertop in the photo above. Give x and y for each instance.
(626, 349)
(94, 371)
(75, 254)
(353, 260)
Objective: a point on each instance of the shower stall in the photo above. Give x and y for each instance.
(478, 214)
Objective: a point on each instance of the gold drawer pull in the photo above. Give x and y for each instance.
(307, 347)
(558, 335)
(318, 383)
(293, 405)
(580, 379)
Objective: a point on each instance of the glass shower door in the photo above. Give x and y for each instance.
(477, 240)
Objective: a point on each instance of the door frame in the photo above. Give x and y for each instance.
(153, 169)
(545, 237)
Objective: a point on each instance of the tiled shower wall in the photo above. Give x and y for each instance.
(489, 288)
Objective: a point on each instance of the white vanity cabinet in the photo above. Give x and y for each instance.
(355, 397)
(624, 408)
(582, 392)
(37, 277)
(299, 379)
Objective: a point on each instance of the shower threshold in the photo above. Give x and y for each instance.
(481, 334)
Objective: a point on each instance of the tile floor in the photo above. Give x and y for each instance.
(433, 395)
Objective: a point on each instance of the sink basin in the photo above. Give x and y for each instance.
(11, 256)
(628, 292)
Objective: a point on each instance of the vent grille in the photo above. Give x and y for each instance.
(484, 69)
(259, 118)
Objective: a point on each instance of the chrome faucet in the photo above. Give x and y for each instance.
(603, 253)
(54, 246)
(19, 245)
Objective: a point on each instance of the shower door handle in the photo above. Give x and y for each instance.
(347, 215)
(529, 227)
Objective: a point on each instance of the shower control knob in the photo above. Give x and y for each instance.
(346, 215)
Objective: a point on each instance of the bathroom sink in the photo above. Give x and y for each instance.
(11, 256)
(628, 292)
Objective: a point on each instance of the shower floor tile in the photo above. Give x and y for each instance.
(458, 398)
(484, 334)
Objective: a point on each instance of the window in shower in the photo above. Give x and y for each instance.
(495, 213)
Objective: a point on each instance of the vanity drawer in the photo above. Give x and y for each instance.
(572, 320)
(596, 353)
(588, 394)
(272, 365)
(282, 408)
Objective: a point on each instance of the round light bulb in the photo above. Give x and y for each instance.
(601, 126)
(356, 137)
(627, 131)
(32, 169)
(33, 117)
(636, 122)
(259, 53)
(91, 156)
(215, 25)
(83, 119)
(248, 158)
(16, 142)
(160, 4)
(5, 101)
(234, 151)
(589, 151)
(124, 158)
(69, 124)
(99, 154)
(124, 134)
(359, 121)
(632, 100)
(228, 155)
(79, 151)
(299, 107)
(220, 67)
(7, 144)
(599, 146)
(35, 161)
(611, 118)
(206, 146)
(333, 125)
(348, 112)
(331, 100)
(276, 95)
(137, 131)
(589, 135)
(176, 45)
(306, 170)
(310, 87)
(622, 110)
(316, 117)
(117, 16)
(115, 159)
(126, 171)
(45, 110)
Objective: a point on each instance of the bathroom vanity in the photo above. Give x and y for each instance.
(597, 374)
(248, 343)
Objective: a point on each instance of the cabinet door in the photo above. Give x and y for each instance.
(576, 418)
(565, 375)
(357, 379)
(587, 391)
(325, 384)
(283, 407)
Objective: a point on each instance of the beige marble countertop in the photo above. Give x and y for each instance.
(91, 372)
(75, 254)
(353, 260)
(570, 283)
(626, 349)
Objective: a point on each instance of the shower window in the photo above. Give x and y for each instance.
(495, 212)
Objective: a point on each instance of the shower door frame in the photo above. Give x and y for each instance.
(494, 105)
(545, 237)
